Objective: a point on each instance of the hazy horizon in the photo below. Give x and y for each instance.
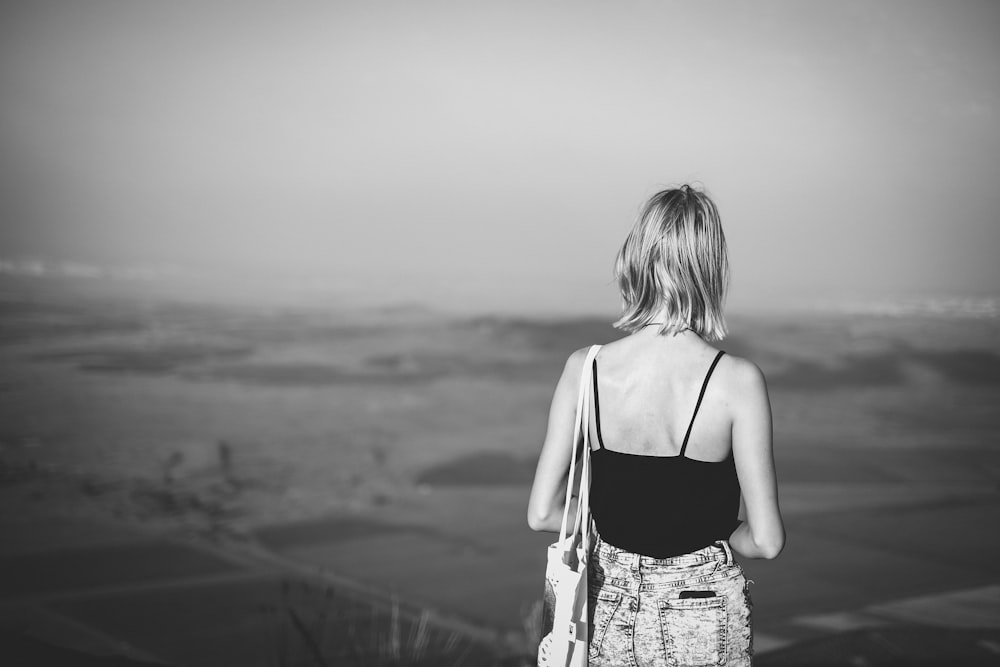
(473, 158)
(26, 279)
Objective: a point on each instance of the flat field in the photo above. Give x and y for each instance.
(396, 446)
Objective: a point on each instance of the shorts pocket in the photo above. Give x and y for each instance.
(601, 609)
(694, 630)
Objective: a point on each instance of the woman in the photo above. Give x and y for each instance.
(682, 469)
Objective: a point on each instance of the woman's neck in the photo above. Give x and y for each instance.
(678, 330)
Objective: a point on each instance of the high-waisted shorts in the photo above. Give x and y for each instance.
(692, 609)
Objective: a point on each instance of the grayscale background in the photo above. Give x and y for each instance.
(285, 289)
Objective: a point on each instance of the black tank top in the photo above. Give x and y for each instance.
(662, 506)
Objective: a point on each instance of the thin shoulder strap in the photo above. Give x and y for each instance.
(597, 408)
(704, 386)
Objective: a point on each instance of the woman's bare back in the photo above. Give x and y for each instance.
(649, 387)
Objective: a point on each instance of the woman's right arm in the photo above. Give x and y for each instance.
(545, 506)
(762, 534)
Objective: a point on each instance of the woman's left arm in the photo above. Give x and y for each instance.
(548, 493)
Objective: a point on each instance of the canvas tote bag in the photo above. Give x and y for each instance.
(564, 612)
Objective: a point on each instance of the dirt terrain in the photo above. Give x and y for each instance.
(286, 427)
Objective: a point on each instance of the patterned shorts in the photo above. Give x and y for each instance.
(692, 609)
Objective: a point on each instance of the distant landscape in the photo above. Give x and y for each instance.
(249, 423)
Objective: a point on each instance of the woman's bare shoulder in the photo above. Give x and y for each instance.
(574, 364)
(740, 374)
(573, 368)
(743, 379)
(741, 370)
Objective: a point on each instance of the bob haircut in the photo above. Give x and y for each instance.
(674, 261)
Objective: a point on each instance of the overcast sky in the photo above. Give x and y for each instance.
(493, 155)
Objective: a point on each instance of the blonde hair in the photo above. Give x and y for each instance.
(675, 259)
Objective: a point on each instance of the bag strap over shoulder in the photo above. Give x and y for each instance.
(581, 443)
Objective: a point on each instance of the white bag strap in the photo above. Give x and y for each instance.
(583, 495)
(583, 515)
(581, 435)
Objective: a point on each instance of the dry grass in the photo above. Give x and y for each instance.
(324, 627)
